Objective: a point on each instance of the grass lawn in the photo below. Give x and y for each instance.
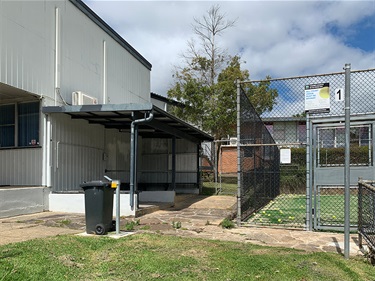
(209, 188)
(158, 257)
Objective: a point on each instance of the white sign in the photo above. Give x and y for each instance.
(339, 94)
(317, 97)
(285, 156)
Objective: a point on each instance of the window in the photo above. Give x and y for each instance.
(302, 134)
(331, 146)
(19, 124)
(7, 125)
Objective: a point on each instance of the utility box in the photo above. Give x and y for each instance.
(98, 207)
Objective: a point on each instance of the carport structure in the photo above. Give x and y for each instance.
(139, 120)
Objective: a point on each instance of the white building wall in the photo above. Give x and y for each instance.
(128, 80)
(48, 44)
(26, 45)
(77, 153)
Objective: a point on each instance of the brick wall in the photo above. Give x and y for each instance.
(228, 161)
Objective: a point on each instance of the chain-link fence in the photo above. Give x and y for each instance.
(329, 205)
(366, 215)
(274, 187)
(259, 164)
(219, 167)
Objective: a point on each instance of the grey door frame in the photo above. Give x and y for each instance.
(334, 176)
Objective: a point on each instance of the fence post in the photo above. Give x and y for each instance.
(238, 152)
(360, 213)
(347, 162)
(308, 175)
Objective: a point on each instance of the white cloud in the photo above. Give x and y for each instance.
(282, 39)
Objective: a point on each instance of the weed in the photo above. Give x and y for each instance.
(176, 224)
(65, 222)
(129, 226)
(227, 223)
(146, 227)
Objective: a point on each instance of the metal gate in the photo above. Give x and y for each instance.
(328, 168)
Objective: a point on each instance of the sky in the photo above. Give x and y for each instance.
(276, 38)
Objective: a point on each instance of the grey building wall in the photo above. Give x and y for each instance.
(51, 48)
(77, 153)
(21, 166)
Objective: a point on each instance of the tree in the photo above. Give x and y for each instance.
(206, 58)
(206, 83)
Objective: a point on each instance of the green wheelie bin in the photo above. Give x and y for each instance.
(98, 207)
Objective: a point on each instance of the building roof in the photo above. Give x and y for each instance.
(166, 100)
(120, 116)
(104, 26)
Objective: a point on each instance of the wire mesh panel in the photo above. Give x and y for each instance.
(366, 214)
(290, 102)
(259, 161)
(329, 207)
(274, 143)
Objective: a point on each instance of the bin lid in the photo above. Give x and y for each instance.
(95, 183)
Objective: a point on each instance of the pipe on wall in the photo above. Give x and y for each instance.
(133, 154)
(57, 54)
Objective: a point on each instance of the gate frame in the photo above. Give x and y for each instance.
(333, 121)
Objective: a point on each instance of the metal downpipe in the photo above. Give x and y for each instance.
(133, 154)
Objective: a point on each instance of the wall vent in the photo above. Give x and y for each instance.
(81, 98)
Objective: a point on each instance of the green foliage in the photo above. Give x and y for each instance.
(336, 156)
(227, 223)
(206, 83)
(214, 107)
(130, 225)
(66, 222)
(176, 224)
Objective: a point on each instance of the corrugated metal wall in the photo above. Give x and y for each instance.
(21, 167)
(78, 153)
(82, 152)
(29, 48)
(48, 44)
(26, 45)
(117, 155)
(155, 164)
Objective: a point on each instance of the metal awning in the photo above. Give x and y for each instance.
(120, 116)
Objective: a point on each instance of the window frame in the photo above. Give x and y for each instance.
(26, 118)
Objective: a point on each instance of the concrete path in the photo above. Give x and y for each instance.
(199, 216)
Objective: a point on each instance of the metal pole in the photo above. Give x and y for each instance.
(133, 155)
(173, 163)
(308, 175)
(238, 153)
(132, 164)
(347, 162)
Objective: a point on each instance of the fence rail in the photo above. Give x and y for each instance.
(366, 215)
